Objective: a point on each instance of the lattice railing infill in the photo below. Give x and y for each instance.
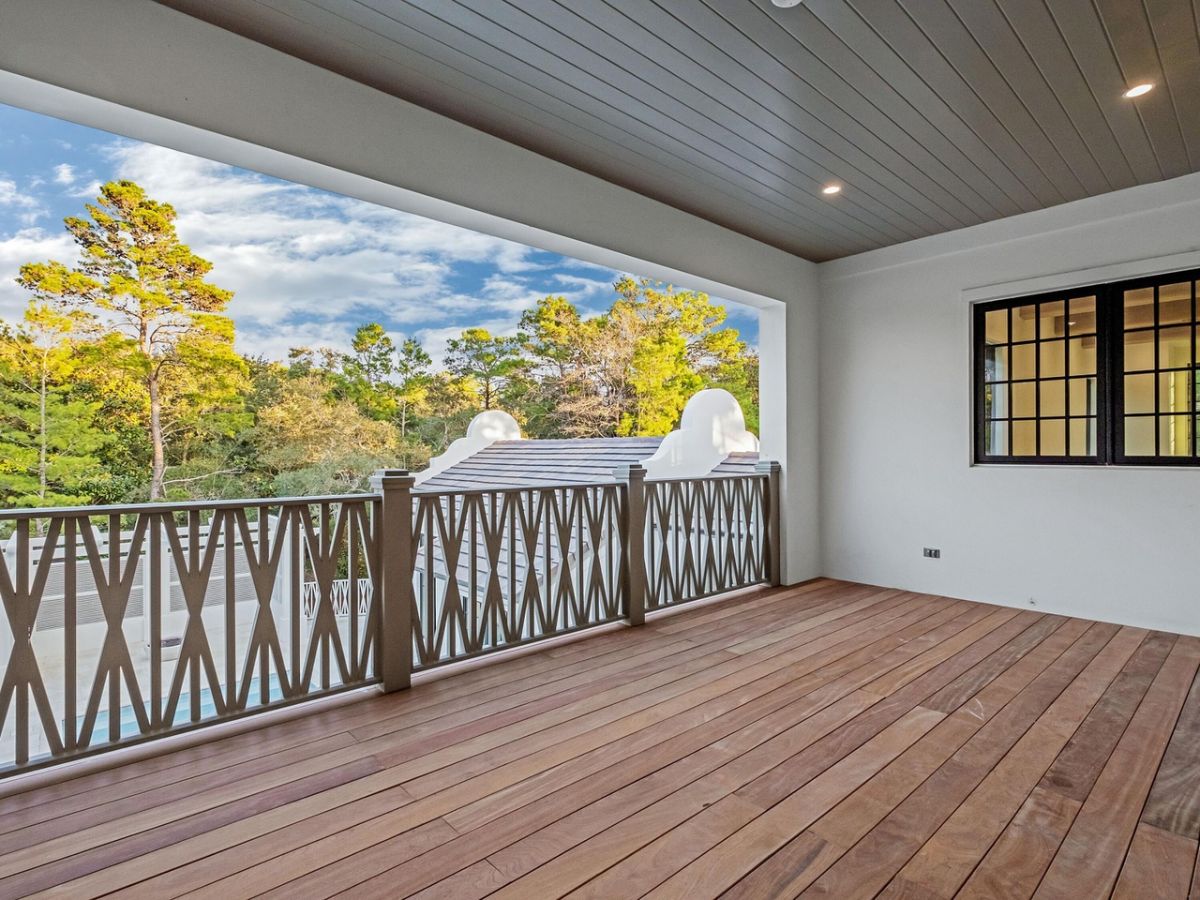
(705, 536)
(125, 623)
(501, 568)
(239, 640)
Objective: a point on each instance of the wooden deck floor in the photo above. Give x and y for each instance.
(833, 740)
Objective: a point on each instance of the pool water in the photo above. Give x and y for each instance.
(183, 711)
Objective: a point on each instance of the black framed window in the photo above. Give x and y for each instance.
(1103, 375)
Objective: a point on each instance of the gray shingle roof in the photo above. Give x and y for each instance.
(528, 463)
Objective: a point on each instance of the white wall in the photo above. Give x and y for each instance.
(139, 69)
(1120, 545)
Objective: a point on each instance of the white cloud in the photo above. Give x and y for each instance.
(306, 266)
(586, 286)
(293, 254)
(25, 206)
(27, 245)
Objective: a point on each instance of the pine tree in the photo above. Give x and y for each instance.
(141, 294)
(49, 436)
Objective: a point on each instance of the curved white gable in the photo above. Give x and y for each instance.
(485, 429)
(712, 427)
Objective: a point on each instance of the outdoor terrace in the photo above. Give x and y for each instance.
(830, 739)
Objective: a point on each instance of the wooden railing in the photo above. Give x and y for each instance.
(126, 623)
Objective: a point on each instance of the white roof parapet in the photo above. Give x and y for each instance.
(485, 429)
(712, 427)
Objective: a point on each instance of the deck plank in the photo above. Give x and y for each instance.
(828, 739)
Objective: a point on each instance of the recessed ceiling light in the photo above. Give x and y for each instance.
(831, 189)
(1138, 89)
(787, 4)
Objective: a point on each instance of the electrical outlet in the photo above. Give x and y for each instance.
(932, 553)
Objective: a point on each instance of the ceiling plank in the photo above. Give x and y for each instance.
(1038, 33)
(494, 46)
(1084, 32)
(1176, 32)
(946, 30)
(660, 49)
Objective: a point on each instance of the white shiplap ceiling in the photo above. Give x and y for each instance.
(932, 114)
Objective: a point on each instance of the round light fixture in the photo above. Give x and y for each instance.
(1138, 90)
(787, 4)
(831, 189)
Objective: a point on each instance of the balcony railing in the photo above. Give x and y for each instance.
(126, 623)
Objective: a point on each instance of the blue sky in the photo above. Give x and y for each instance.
(307, 267)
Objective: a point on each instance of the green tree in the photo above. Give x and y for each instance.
(490, 363)
(313, 442)
(368, 374)
(413, 374)
(49, 440)
(630, 370)
(143, 296)
(677, 344)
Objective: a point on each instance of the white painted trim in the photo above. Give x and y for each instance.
(1120, 271)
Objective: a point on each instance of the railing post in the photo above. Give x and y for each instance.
(394, 529)
(634, 479)
(772, 542)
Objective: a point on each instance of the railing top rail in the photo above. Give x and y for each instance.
(513, 489)
(739, 476)
(128, 509)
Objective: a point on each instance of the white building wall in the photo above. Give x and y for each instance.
(1121, 545)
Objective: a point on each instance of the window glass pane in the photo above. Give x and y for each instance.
(1139, 308)
(995, 401)
(1175, 303)
(1139, 435)
(996, 439)
(1024, 439)
(1174, 347)
(1024, 361)
(1139, 393)
(1053, 317)
(995, 364)
(1024, 399)
(1139, 351)
(1054, 359)
(1082, 315)
(1054, 437)
(1083, 437)
(1174, 436)
(1174, 392)
(1083, 397)
(1024, 323)
(995, 326)
(1082, 355)
(1054, 397)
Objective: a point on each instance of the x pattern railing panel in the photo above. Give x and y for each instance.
(704, 536)
(495, 569)
(69, 689)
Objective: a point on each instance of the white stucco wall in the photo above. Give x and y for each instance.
(139, 69)
(1113, 544)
